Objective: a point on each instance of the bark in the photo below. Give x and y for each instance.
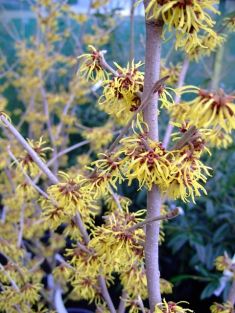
(152, 74)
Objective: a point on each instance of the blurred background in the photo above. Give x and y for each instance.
(203, 231)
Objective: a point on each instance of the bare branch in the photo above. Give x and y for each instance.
(105, 294)
(167, 216)
(29, 149)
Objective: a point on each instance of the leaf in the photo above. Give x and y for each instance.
(177, 242)
(180, 278)
(220, 233)
(209, 290)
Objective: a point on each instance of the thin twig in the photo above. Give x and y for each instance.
(167, 216)
(67, 150)
(28, 179)
(21, 230)
(180, 83)
(58, 300)
(29, 149)
(60, 259)
(64, 113)
(122, 303)
(115, 198)
(186, 138)
(82, 228)
(141, 305)
(49, 125)
(105, 294)
(106, 66)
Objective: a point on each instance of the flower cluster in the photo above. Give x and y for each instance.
(222, 308)
(178, 173)
(91, 67)
(187, 17)
(121, 93)
(229, 23)
(214, 111)
(173, 71)
(26, 160)
(223, 262)
(116, 243)
(145, 160)
(171, 307)
(99, 137)
(105, 174)
(208, 44)
(70, 197)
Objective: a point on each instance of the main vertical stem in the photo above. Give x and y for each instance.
(152, 74)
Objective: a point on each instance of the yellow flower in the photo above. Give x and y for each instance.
(27, 162)
(99, 137)
(106, 173)
(134, 281)
(218, 138)
(165, 286)
(120, 96)
(173, 71)
(187, 174)
(179, 112)
(83, 160)
(116, 244)
(98, 3)
(111, 203)
(223, 262)
(213, 109)
(229, 22)
(133, 305)
(222, 308)
(171, 307)
(26, 191)
(73, 196)
(30, 292)
(145, 160)
(165, 97)
(62, 273)
(83, 260)
(208, 43)
(186, 15)
(86, 288)
(91, 67)
(53, 216)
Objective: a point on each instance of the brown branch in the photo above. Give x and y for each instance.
(122, 303)
(190, 134)
(105, 294)
(152, 74)
(106, 66)
(180, 83)
(167, 216)
(29, 149)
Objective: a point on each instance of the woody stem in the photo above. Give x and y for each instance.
(152, 74)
